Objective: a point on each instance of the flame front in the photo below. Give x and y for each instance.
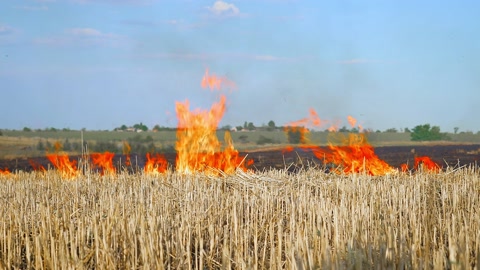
(62, 162)
(5, 172)
(104, 161)
(352, 155)
(155, 164)
(427, 164)
(356, 155)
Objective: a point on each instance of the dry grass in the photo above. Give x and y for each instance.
(266, 220)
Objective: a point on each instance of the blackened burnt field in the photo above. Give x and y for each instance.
(444, 155)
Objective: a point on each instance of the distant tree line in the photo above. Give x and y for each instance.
(424, 132)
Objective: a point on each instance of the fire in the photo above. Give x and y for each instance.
(104, 161)
(155, 164)
(352, 155)
(198, 148)
(36, 166)
(352, 121)
(5, 172)
(214, 82)
(301, 125)
(61, 161)
(357, 156)
(126, 151)
(427, 164)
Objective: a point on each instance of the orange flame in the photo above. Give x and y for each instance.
(353, 155)
(198, 148)
(36, 166)
(66, 167)
(5, 172)
(126, 151)
(62, 162)
(155, 164)
(357, 156)
(214, 82)
(104, 161)
(352, 121)
(300, 126)
(404, 167)
(427, 163)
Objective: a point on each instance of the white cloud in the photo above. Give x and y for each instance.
(224, 8)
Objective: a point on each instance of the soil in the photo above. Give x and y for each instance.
(445, 155)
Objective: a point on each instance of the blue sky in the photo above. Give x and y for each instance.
(98, 64)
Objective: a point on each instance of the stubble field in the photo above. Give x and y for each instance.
(262, 220)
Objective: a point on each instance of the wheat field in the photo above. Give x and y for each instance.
(261, 220)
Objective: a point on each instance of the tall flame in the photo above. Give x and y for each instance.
(198, 148)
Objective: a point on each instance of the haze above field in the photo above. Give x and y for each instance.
(98, 64)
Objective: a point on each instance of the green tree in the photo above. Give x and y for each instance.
(264, 140)
(156, 128)
(455, 130)
(243, 138)
(67, 146)
(294, 136)
(40, 145)
(391, 130)
(427, 133)
(27, 129)
(251, 126)
(141, 127)
(271, 125)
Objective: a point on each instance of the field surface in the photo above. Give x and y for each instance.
(266, 220)
(446, 155)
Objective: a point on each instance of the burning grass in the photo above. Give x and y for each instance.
(267, 220)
